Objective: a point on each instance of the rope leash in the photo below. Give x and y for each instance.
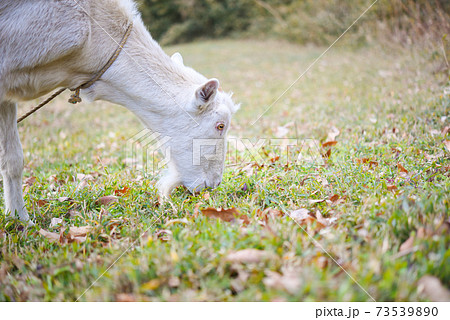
(75, 97)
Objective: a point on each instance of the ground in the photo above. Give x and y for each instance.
(355, 210)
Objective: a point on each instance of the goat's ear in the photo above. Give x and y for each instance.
(206, 93)
(177, 58)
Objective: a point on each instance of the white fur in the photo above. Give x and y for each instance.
(46, 44)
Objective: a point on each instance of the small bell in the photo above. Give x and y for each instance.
(75, 97)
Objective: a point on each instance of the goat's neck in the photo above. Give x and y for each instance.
(144, 79)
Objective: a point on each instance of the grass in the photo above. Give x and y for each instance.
(390, 109)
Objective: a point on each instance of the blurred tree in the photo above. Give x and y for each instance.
(317, 21)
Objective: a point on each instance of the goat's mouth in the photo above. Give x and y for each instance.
(195, 187)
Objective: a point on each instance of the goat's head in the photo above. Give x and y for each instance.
(198, 147)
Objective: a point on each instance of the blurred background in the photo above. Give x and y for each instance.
(299, 21)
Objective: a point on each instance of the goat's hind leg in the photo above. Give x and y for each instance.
(11, 161)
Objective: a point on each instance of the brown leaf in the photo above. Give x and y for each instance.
(206, 196)
(75, 234)
(164, 235)
(105, 200)
(103, 212)
(30, 181)
(321, 262)
(42, 202)
(288, 281)
(238, 284)
(122, 192)
(249, 256)
(362, 160)
(79, 231)
(433, 289)
(274, 159)
(55, 221)
(334, 198)
(173, 282)
(327, 154)
(329, 144)
(314, 201)
(196, 209)
(269, 212)
(51, 236)
(407, 245)
(302, 215)
(227, 215)
(125, 297)
(391, 187)
(373, 163)
(175, 221)
(326, 222)
(401, 168)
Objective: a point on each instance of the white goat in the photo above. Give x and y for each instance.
(49, 44)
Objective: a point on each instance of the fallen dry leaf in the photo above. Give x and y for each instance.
(105, 200)
(125, 297)
(50, 236)
(206, 196)
(173, 282)
(401, 168)
(30, 181)
(81, 177)
(175, 221)
(373, 163)
(122, 192)
(196, 209)
(432, 288)
(227, 215)
(103, 213)
(238, 284)
(407, 245)
(321, 262)
(329, 144)
(334, 198)
(75, 234)
(302, 215)
(314, 201)
(288, 281)
(274, 159)
(362, 160)
(55, 221)
(163, 235)
(79, 231)
(391, 187)
(333, 133)
(269, 213)
(326, 222)
(151, 285)
(42, 203)
(327, 154)
(249, 256)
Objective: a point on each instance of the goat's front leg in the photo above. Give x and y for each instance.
(11, 161)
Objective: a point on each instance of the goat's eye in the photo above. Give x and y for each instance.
(220, 126)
